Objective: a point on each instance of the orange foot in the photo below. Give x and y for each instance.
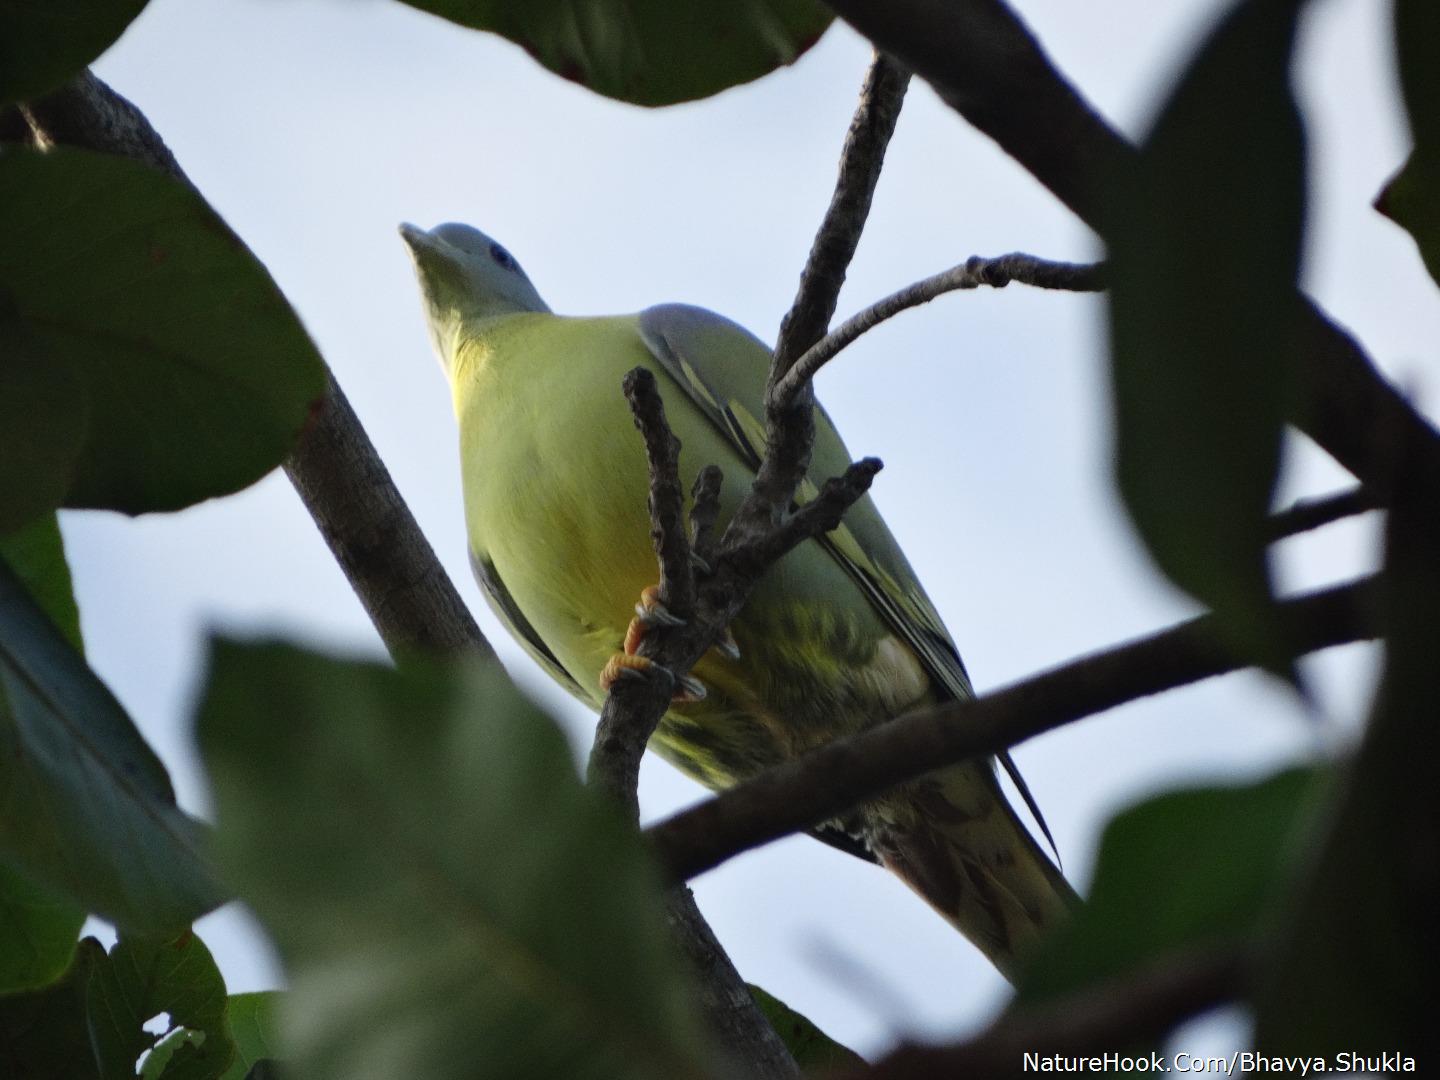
(628, 665)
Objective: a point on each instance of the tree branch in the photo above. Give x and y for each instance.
(807, 791)
(790, 427)
(1116, 1015)
(334, 466)
(1307, 514)
(974, 272)
(634, 706)
(987, 65)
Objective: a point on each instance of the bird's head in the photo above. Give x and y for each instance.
(465, 276)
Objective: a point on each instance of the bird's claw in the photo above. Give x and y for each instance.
(727, 646)
(627, 666)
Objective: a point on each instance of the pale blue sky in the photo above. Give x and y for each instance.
(314, 126)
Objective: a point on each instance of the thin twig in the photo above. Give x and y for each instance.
(667, 498)
(987, 65)
(1310, 514)
(790, 429)
(971, 274)
(807, 791)
(1117, 1014)
(634, 706)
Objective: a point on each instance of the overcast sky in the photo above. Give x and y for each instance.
(314, 126)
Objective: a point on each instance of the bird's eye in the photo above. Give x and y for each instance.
(503, 257)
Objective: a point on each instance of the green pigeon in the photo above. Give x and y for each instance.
(838, 636)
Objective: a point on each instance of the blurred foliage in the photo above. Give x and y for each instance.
(1180, 873)
(650, 52)
(421, 849)
(1204, 251)
(1354, 962)
(44, 43)
(1412, 196)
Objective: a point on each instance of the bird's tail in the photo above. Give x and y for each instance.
(953, 837)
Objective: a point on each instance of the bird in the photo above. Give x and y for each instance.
(838, 636)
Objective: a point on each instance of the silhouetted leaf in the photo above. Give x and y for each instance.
(1355, 960)
(148, 357)
(44, 43)
(650, 52)
(44, 1034)
(1412, 196)
(1205, 250)
(449, 899)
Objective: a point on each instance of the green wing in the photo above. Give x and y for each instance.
(509, 613)
(722, 367)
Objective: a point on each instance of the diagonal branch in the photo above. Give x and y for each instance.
(971, 274)
(809, 790)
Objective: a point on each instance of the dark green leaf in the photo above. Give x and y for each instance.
(150, 976)
(93, 814)
(37, 555)
(38, 928)
(812, 1049)
(44, 412)
(1184, 870)
(38, 931)
(151, 356)
(449, 899)
(44, 1035)
(252, 1025)
(1417, 50)
(1354, 968)
(44, 43)
(1205, 250)
(1411, 199)
(650, 52)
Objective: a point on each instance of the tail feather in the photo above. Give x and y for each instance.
(953, 838)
